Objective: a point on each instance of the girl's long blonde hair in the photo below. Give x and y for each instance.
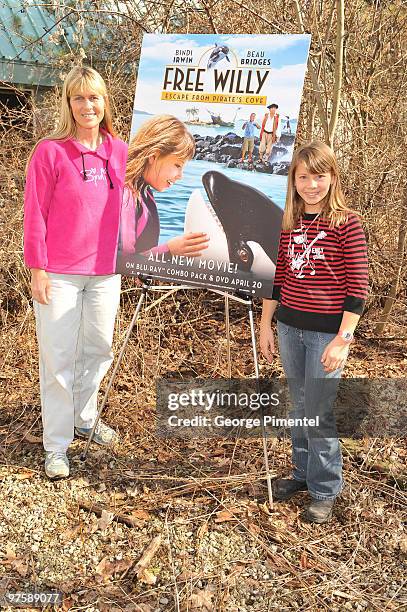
(78, 80)
(318, 159)
(160, 135)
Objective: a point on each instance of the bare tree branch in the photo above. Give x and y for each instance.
(340, 34)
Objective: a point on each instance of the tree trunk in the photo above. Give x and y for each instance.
(400, 261)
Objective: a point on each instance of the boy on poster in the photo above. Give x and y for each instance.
(249, 130)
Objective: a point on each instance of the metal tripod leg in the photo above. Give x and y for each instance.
(116, 367)
(263, 431)
(227, 325)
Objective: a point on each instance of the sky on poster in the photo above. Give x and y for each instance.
(287, 53)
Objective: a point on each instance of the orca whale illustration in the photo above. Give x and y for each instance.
(247, 216)
(218, 54)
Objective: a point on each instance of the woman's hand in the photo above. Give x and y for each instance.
(40, 286)
(191, 244)
(267, 345)
(335, 354)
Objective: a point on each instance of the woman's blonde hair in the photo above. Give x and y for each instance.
(318, 158)
(159, 136)
(78, 80)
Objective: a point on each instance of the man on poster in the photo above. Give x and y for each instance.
(268, 134)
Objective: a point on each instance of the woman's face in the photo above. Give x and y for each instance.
(162, 171)
(312, 188)
(88, 109)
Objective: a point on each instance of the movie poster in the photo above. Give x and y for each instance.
(205, 204)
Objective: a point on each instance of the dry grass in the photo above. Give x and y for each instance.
(221, 549)
(204, 498)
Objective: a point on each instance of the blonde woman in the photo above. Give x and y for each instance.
(157, 155)
(74, 188)
(320, 288)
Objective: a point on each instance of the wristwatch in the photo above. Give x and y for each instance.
(347, 336)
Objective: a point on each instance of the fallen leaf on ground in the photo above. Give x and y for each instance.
(24, 475)
(10, 440)
(304, 560)
(203, 529)
(67, 604)
(105, 569)
(224, 515)
(342, 595)
(148, 554)
(21, 567)
(147, 577)
(71, 533)
(141, 514)
(202, 599)
(187, 575)
(10, 553)
(254, 529)
(19, 564)
(32, 439)
(265, 508)
(105, 520)
(123, 565)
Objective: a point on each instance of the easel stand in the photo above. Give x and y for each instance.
(243, 299)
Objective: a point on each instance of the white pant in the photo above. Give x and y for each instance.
(75, 332)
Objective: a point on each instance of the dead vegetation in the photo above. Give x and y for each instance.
(169, 525)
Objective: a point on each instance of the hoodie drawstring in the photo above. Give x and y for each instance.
(107, 172)
(85, 178)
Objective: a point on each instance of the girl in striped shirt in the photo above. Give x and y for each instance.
(319, 293)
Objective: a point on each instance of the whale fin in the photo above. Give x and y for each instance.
(262, 264)
(200, 217)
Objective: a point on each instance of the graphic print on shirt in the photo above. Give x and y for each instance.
(93, 175)
(307, 255)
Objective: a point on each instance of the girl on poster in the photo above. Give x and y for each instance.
(157, 155)
(74, 188)
(319, 292)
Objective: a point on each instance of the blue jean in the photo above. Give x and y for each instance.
(316, 457)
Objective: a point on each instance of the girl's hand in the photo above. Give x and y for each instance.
(191, 244)
(40, 286)
(267, 345)
(335, 354)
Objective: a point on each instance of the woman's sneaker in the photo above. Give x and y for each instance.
(56, 464)
(104, 435)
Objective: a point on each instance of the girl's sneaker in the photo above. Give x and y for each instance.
(56, 464)
(285, 488)
(104, 435)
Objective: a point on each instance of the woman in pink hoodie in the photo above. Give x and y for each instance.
(74, 188)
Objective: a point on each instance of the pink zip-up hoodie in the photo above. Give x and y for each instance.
(72, 206)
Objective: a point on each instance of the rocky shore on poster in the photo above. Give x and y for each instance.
(186, 270)
(227, 150)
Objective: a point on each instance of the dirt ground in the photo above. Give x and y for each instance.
(163, 524)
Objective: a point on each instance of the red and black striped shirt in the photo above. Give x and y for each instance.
(321, 272)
